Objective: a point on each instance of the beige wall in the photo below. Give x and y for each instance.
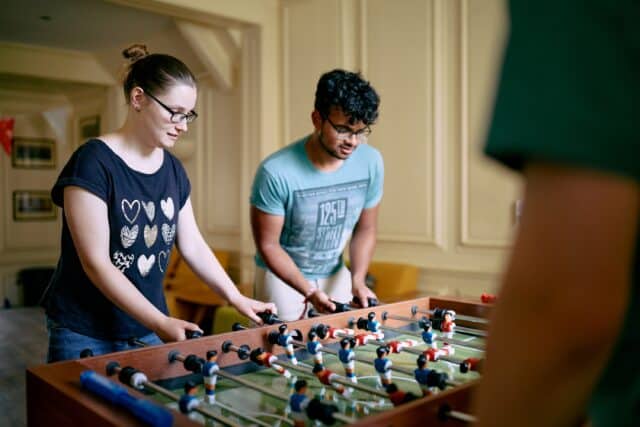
(446, 208)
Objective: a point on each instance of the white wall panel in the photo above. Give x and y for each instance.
(487, 191)
(312, 44)
(399, 62)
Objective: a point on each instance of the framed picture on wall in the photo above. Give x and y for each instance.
(33, 153)
(33, 205)
(89, 127)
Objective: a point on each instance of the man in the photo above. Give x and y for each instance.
(566, 116)
(310, 197)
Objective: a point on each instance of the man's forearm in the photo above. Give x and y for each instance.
(363, 244)
(281, 264)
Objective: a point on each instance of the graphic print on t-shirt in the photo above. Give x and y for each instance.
(163, 260)
(168, 232)
(128, 235)
(134, 223)
(150, 210)
(320, 223)
(167, 208)
(145, 264)
(150, 235)
(131, 210)
(331, 218)
(122, 261)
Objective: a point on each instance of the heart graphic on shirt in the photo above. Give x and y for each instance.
(128, 235)
(145, 264)
(167, 208)
(150, 210)
(131, 210)
(163, 259)
(150, 235)
(122, 261)
(168, 233)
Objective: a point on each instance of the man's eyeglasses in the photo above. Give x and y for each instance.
(345, 132)
(176, 116)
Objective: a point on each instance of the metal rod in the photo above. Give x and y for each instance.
(464, 317)
(461, 329)
(171, 395)
(461, 416)
(436, 338)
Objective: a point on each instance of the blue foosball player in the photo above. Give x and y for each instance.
(210, 375)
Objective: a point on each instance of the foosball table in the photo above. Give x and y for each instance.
(379, 366)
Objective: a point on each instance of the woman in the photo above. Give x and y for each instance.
(126, 201)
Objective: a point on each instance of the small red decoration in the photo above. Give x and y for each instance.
(6, 133)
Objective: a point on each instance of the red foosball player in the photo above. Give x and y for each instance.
(263, 358)
(363, 339)
(298, 403)
(398, 346)
(471, 364)
(488, 298)
(340, 332)
(433, 354)
(398, 397)
(326, 377)
(448, 323)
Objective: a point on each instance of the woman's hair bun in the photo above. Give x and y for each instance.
(135, 52)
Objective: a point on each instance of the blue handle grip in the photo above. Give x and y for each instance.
(146, 411)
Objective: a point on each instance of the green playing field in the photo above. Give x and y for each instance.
(275, 411)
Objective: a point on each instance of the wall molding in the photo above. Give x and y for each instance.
(465, 140)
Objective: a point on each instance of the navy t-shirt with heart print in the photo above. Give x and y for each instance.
(143, 213)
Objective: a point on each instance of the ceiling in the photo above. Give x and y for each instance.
(86, 25)
(94, 26)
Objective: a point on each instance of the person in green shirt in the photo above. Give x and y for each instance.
(568, 309)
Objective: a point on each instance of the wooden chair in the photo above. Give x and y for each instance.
(187, 296)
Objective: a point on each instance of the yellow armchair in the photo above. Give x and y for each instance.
(394, 281)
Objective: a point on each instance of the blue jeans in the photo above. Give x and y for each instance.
(64, 344)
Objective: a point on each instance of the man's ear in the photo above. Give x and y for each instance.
(136, 98)
(316, 119)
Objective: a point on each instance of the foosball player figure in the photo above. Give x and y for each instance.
(263, 358)
(488, 298)
(397, 396)
(210, 376)
(285, 339)
(428, 336)
(314, 347)
(448, 323)
(471, 364)
(363, 339)
(382, 364)
(298, 403)
(397, 346)
(433, 354)
(189, 401)
(326, 377)
(347, 356)
(373, 325)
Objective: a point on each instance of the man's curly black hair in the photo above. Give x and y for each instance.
(348, 91)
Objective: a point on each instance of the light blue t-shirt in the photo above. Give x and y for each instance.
(321, 209)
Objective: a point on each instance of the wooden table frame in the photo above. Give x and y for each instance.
(55, 397)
